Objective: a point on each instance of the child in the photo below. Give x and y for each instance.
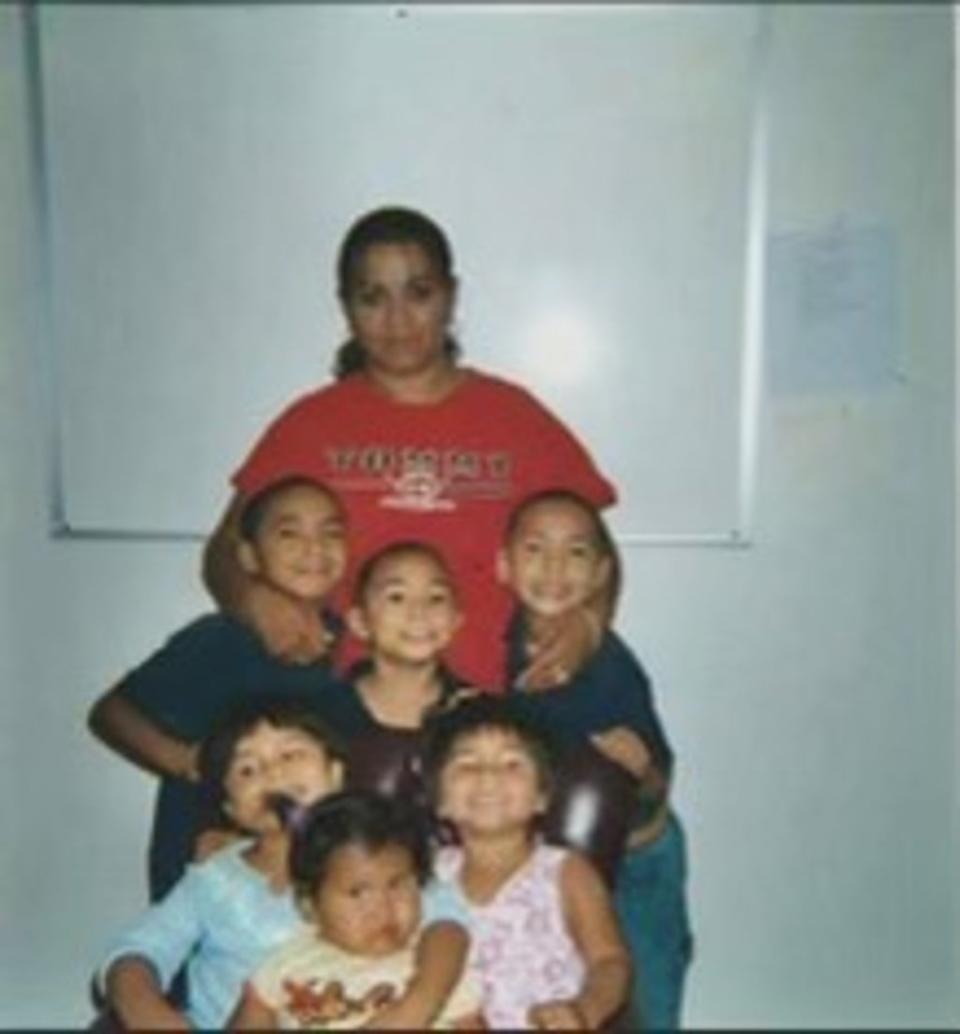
(406, 613)
(545, 947)
(358, 862)
(293, 539)
(557, 553)
(228, 912)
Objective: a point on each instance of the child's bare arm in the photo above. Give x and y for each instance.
(441, 955)
(624, 748)
(593, 926)
(288, 628)
(252, 1014)
(135, 995)
(123, 727)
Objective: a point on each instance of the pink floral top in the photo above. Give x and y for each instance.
(521, 953)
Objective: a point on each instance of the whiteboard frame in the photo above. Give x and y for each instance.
(752, 311)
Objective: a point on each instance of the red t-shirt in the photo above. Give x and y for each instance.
(447, 472)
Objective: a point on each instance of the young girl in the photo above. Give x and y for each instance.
(545, 947)
(293, 538)
(557, 553)
(406, 613)
(228, 912)
(358, 862)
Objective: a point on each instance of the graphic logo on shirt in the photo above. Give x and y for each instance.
(423, 479)
(417, 490)
(319, 1005)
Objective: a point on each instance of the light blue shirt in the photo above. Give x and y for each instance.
(223, 919)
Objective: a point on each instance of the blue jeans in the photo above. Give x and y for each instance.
(650, 901)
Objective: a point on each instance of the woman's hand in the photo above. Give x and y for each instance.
(559, 646)
(289, 629)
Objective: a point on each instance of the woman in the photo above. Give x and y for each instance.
(417, 447)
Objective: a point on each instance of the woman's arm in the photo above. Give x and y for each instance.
(559, 646)
(252, 1014)
(123, 727)
(289, 629)
(225, 579)
(593, 927)
(135, 995)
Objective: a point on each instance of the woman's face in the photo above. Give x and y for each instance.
(399, 308)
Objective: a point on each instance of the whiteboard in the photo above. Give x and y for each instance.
(591, 166)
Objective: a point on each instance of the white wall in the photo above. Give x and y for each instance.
(808, 682)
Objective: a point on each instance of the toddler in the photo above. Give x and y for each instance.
(358, 863)
(293, 537)
(558, 553)
(545, 947)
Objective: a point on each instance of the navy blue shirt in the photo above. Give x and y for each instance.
(185, 687)
(610, 689)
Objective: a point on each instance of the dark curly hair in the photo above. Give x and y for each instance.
(360, 817)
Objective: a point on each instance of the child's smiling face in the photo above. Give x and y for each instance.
(300, 546)
(368, 900)
(490, 783)
(272, 761)
(553, 561)
(409, 612)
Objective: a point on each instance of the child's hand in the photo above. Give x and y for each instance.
(559, 647)
(210, 841)
(562, 1015)
(624, 748)
(290, 630)
(405, 1013)
(472, 1021)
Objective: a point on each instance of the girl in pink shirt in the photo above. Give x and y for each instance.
(545, 951)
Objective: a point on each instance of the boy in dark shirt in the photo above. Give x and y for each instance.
(558, 554)
(293, 537)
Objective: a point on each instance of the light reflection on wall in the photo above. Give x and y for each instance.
(560, 347)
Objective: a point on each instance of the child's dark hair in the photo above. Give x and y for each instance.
(282, 711)
(359, 817)
(405, 547)
(601, 533)
(603, 539)
(485, 711)
(388, 225)
(254, 509)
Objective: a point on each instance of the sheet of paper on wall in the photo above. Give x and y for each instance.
(831, 321)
